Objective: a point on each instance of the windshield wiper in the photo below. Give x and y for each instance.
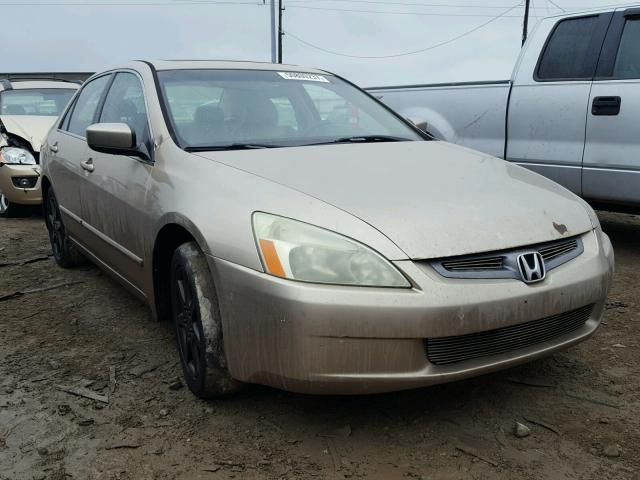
(366, 139)
(230, 146)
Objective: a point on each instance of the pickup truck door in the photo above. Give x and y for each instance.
(611, 172)
(549, 98)
(114, 195)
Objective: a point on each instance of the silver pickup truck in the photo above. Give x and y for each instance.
(571, 110)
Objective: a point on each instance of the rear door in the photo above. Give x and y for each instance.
(549, 103)
(67, 149)
(115, 192)
(611, 171)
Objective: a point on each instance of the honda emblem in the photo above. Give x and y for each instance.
(531, 266)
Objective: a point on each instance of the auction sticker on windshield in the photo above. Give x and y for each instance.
(310, 77)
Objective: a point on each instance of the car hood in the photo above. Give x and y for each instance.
(432, 199)
(32, 128)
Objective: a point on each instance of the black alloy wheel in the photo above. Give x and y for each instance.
(198, 325)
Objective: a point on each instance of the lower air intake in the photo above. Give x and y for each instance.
(460, 348)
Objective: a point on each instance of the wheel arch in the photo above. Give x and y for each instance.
(174, 231)
(45, 185)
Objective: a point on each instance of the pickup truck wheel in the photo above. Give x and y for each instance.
(65, 253)
(198, 326)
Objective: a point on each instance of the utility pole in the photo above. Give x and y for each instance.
(273, 30)
(280, 30)
(525, 27)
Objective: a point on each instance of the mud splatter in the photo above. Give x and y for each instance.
(560, 227)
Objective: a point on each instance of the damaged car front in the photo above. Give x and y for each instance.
(28, 109)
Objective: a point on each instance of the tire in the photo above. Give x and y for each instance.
(12, 210)
(198, 326)
(65, 252)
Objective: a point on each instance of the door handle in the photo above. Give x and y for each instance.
(606, 106)
(88, 165)
(54, 147)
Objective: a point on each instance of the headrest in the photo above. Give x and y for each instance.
(208, 115)
(262, 111)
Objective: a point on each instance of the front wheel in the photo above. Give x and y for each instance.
(198, 326)
(9, 209)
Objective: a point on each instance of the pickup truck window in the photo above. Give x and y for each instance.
(628, 60)
(567, 55)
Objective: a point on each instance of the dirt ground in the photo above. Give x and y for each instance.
(581, 406)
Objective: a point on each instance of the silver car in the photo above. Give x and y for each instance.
(300, 234)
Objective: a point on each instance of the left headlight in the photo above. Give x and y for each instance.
(299, 251)
(17, 156)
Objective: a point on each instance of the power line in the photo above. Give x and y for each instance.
(377, 2)
(437, 45)
(381, 12)
(556, 5)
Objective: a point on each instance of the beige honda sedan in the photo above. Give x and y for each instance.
(28, 109)
(300, 234)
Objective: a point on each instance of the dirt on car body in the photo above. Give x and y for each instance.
(90, 388)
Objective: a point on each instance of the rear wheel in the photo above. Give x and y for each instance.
(198, 326)
(65, 252)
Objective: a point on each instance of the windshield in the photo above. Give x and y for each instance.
(254, 108)
(46, 102)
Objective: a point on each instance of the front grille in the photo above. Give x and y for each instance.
(504, 263)
(448, 350)
(558, 249)
(474, 264)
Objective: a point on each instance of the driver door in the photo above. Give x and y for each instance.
(115, 203)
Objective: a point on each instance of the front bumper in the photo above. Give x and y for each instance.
(345, 340)
(15, 194)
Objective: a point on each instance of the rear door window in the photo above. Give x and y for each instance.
(628, 59)
(84, 111)
(568, 54)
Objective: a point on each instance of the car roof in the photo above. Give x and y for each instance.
(27, 84)
(229, 65)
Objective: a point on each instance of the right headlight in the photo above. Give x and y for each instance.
(17, 156)
(299, 251)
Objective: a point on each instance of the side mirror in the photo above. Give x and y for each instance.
(114, 138)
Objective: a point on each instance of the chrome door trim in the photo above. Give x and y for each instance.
(538, 164)
(601, 167)
(103, 237)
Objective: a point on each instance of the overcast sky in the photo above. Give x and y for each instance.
(89, 35)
